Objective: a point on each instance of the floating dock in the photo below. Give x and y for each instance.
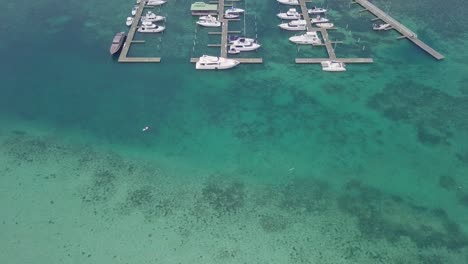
(129, 41)
(224, 35)
(327, 42)
(400, 28)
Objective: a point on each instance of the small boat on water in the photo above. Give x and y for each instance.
(325, 25)
(234, 38)
(379, 27)
(156, 2)
(231, 16)
(151, 28)
(152, 17)
(291, 14)
(319, 19)
(138, 1)
(117, 42)
(310, 38)
(206, 62)
(129, 21)
(233, 50)
(288, 2)
(294, 25)
(134, 10)
(234, 10)
(244, 45)
(208, 21)
(333, 66)
(316, 11)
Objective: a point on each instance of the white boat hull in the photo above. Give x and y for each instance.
(155, 3)
(252, 47)
(329, 66)
(285, 26)
(221, 64)
(304, 41)
(324, 25)
(153, 19)
(151, 30)
(209, 24)
(284, 16)
(288, 2)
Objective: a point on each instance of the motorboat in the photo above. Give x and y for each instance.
(243, 45)
(288, 2)
(117, 42)
(231, 16)
(129, 21)
(294, 25)
(148, 24)
(233, 50)
(234, 10)
(138, 1)
(234, 38)
(151, 29)
(333, 66)
(208, 21)
(379, 27)
(134, 10)
(319, 19)
(152, 17)
(206, 62)
(316, 11)
(307, 38)
(290, 14)
(325, 25)
(156, 2)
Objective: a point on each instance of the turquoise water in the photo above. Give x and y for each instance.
(272, 163)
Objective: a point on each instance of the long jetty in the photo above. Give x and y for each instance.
(131, 34)
(224, 35)
(327, 42)
(400, 28)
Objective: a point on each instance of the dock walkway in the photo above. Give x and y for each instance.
(404, 31)
(327, 42)
(131, 34)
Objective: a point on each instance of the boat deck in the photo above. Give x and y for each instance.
(129, 41)
(400, 28)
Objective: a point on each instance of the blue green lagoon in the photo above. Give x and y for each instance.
(269, 163)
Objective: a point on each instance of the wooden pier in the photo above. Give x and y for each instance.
(400, 28)
(129, 41)
(328, 43)
(224, 35)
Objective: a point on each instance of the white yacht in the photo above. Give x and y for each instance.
(333, 66)
(288, 2)
(243, 45)
(324, 25)
(138, 1)
(294, 25)
(152, 17)
(156, 2)
(307, 38)
(129, 21)
(381, 27)
(231, 16)
(316, 11)
(234, 10)
(208, 21)
(234, 38)
(151, 28)
(206, 62)
(134, 10)
(290, 14)
(319, 19)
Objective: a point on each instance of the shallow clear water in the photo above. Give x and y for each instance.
(272, 163)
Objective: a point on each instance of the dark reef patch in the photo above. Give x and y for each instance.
(273, 223)
(382, 217)
(305, 195)
(102, 188)
(146, 201)
(224, 197)
(434, 113)
(447, 182)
